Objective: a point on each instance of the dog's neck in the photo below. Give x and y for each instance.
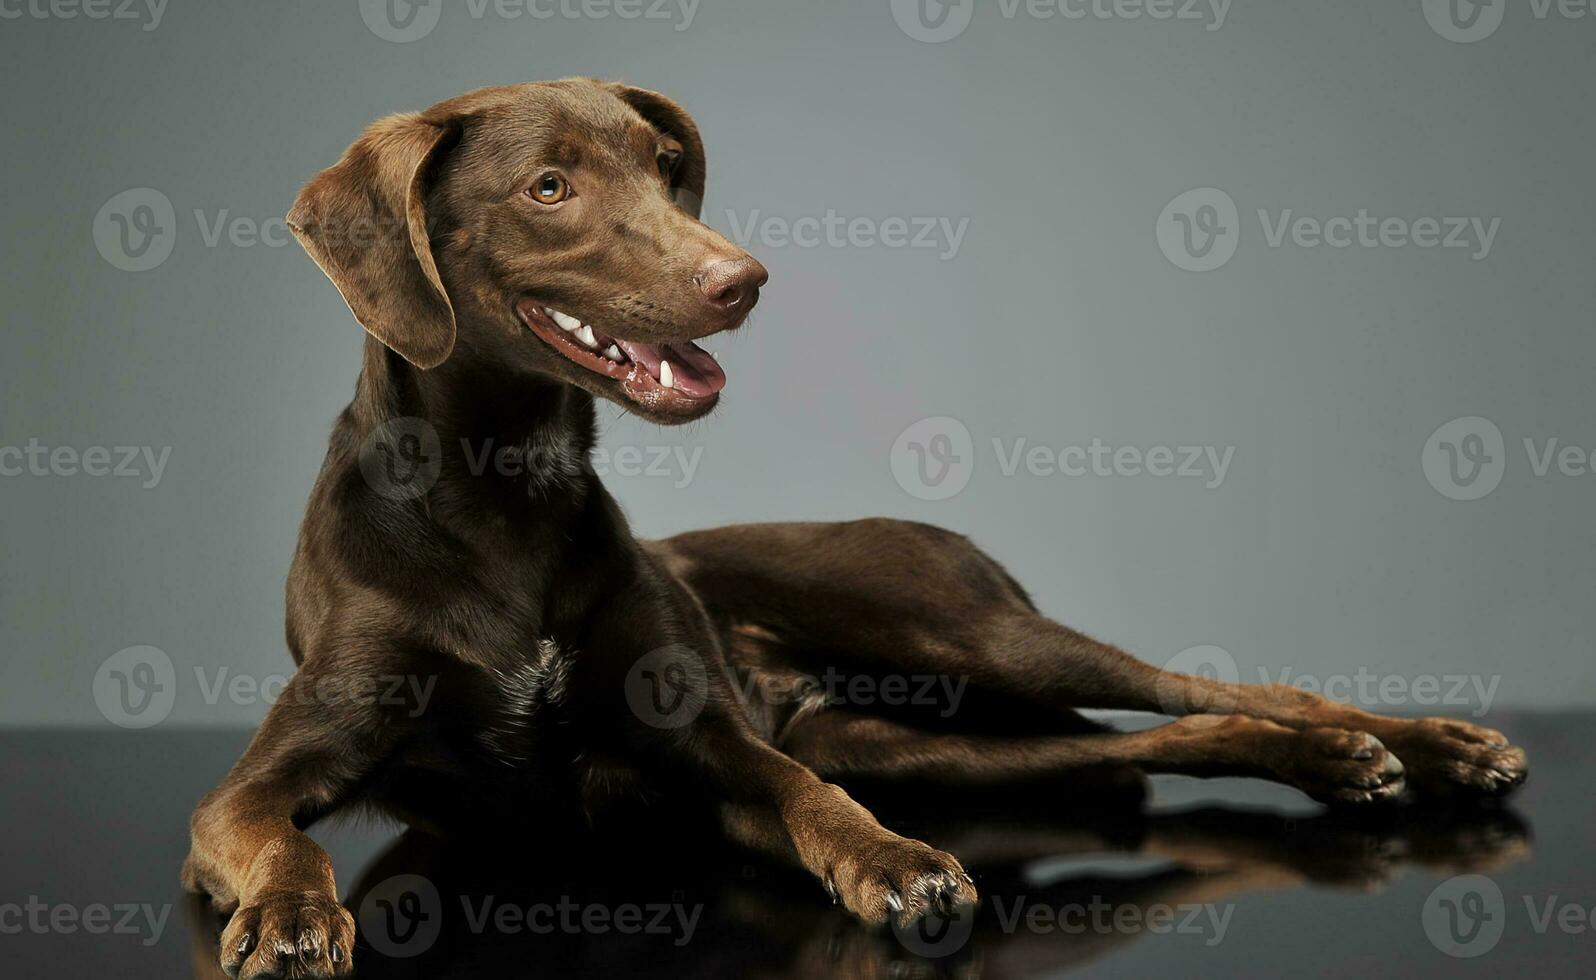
(516, 433)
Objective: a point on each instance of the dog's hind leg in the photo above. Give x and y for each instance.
(1059, 666)
(1331, 765)
(889, 598)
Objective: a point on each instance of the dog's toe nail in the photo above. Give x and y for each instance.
(894, 902)
(337, 953)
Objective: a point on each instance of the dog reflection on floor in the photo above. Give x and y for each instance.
(1057, 895)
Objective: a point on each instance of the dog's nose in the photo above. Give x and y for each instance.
(732, 285)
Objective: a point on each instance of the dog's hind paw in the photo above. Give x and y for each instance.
(1342, 767)
(1455, 760)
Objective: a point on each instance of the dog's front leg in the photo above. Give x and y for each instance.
(768, 799)
(248, 852)
(874, 873)
(775, 804)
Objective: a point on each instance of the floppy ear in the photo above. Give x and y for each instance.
(687, 182)
(364, 221)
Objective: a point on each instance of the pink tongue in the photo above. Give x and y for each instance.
(694, 371)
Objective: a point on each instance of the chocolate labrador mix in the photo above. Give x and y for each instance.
(492, 646)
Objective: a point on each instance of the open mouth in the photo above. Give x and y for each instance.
(677, 377)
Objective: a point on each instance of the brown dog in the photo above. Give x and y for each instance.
(491, 643)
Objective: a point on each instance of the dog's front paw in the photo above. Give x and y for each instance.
(288, 935)
(1451, 759)
(900, 880)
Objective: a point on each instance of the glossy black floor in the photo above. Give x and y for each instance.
(1225, 878)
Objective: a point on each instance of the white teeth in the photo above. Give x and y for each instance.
(614, 353)
(566, 321)
(585, 335)
(666, 376)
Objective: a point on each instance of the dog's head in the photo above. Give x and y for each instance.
(548, 228)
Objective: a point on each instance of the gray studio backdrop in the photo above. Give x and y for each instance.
(1252, 336)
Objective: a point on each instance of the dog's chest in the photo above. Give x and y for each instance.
(519, 704)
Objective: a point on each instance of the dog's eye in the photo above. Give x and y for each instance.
(550, 188)
(667, 163)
